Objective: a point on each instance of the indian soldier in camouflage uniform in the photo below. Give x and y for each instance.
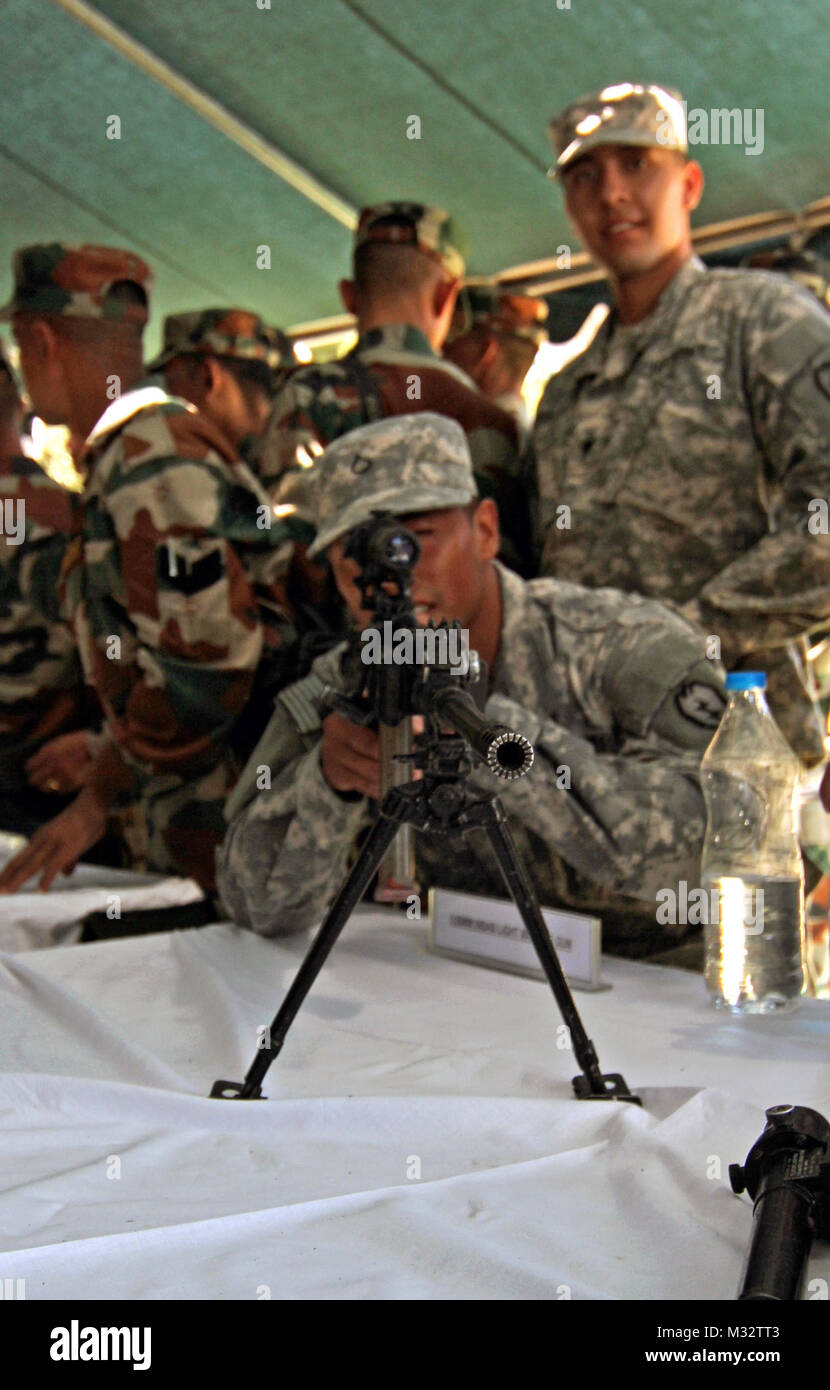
(229, 363)
(614, 691)
(174, 581)
(494, 337)
(41, 685)
(408, 260)
(686, 453)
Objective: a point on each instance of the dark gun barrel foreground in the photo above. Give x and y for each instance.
(508, 754)
(787, 1174)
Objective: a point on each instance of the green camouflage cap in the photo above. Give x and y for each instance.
(497, 309)
(224, 333)
(430, 230)
(54, 278)
(625, 114)
(405, 464)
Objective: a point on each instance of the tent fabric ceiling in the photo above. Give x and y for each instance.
(333, 83)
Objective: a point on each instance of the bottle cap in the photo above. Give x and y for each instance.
(746, 680)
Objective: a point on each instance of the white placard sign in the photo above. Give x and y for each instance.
(490, 932)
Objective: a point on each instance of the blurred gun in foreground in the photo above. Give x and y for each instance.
(787, 1175)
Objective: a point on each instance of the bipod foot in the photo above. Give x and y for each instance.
(234, 1090)
(614, 1088)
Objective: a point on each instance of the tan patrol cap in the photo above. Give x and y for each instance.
(627, 113)
(404, 464)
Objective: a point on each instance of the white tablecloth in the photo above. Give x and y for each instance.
(420, 1139)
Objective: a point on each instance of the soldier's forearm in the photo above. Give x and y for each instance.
(109, 778)
(286, 852)
(631, 823)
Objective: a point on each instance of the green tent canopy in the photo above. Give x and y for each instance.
(230, 142)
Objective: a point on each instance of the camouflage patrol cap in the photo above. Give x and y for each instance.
(225, 333)
(497, 309)
(430, 230)
(405, 464)
(54, 278)
(626, 114)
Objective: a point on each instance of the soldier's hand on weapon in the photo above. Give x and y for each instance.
(350, 757)
(61, 764)
(56, 847)
(824, 789)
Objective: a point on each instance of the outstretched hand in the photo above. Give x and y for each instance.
(56, 847)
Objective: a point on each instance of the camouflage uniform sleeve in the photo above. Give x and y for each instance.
(780, 587)
(632, 821)
(620, 800)
(41, 685)
(169, 625)
(290, 834)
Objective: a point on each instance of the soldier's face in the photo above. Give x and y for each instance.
(449, 578)
(631, 204)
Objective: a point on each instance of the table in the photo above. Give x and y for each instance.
(420, 1139)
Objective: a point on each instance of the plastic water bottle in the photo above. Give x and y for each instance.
(751, 868)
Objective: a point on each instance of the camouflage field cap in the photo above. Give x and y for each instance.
(625, 114)
(430, 230)
(224, 333)
(407, 463)
(54, 278)
(498, 310)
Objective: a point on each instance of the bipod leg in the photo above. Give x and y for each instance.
(391, 815)
(592, 1085)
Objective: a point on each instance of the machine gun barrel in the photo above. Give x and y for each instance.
(507, 754)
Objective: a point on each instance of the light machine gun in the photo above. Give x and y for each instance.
(440, 800)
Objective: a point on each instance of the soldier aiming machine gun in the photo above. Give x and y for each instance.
(456, 732)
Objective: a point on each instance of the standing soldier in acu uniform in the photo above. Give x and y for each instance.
(691, 440)
(160, 582)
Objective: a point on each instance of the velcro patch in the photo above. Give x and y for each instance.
(176, 570)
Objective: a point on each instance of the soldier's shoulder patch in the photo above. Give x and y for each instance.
(700, 703)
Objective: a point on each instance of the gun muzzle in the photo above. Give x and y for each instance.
(507, 754)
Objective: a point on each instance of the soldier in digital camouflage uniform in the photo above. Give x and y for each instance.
(680, 454)
(408, 260)
(494, 337)
(229, 363)
(41, 685)
(174, 581)
(614, 692)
